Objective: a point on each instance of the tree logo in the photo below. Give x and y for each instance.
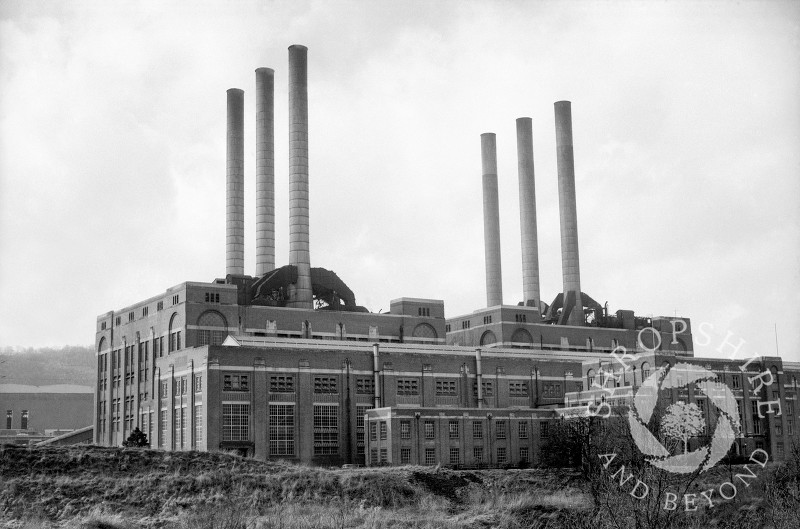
(683, 421)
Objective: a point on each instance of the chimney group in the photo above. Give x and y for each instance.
(300, 294)
(572, 310)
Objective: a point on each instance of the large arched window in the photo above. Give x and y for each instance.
(521, 336)
(488, 338)
(423, 330)
(212, 328)
(101, 345)
(174, 333)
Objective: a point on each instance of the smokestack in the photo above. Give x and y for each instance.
(527, 214)
(265, 171)
(300, 295)
(234, 184)
(491, 221)
(572, 313)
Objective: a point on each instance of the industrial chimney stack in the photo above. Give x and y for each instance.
(300, 296)
(491, 221)
(572, 313)
(234, 184)
(527, 214)
(265, 171)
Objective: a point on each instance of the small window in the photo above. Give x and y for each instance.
(477, 455)
(407, 386)
(176, 299)
(430, 456)
(365, 386)
(281, 384)
(523, 454)
(465, 324)
(518, 389)
(160, 305)
(373, 456)
(198, 383)
(325, 385)
(145, 310)
(544, 432)
(446, 387)
(103, 326)
(130, 316)
(736, 382)
(9, 419)
(447, 327)
(487, 320)
(24, 418)
(373, 431)
(502, 459)
(523, 430)
(383, 430)
(405, 456)
(455, 456)
(235, 383)
(118, 321)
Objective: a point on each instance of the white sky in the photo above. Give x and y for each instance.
(686, 121)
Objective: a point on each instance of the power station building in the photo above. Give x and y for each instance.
(286, 365)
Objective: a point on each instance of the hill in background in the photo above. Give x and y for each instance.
(71, 364)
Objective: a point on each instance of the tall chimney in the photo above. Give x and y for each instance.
(234, 184)
(300, 294)
(265, 171)
(527, 214)
(491, 221)
(572, 313)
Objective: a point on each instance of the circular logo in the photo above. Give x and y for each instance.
(682, 421)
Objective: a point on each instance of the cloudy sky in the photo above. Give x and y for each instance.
(686, 121)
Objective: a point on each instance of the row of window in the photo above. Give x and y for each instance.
(24, 416)
(145, 312)
(380, 456)
(454, 429)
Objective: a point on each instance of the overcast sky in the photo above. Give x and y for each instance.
(686, 120)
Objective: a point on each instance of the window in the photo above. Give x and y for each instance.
(430, 431)
(162, 428)
(325, 385)
(520, 318)
(212, 297)
(281, 430)
(235, 383)
(447, 327)
(176, 299)
(477, 454)
(235, 422)
(778, 430)
(736, 382)
(500, 429)
(523, 453)
(198, 424)
(430, 456)
(184, 422)
(384, 456)
(210, 337)
(326, 429)
(405, 456)
(373, 456)
(424, 311)
(383, 430)
(552, 390)
(518, 389)
(544, 432)
(373, 431)
(198, 383)
(465, 324)
(455, 456)
(24, 419)
(487, 320)
(780, 450)
(160, 305)
(486, 385)
(183, 385)
(407, 386)
(756, 425)
(502, 459)
(405, 429)
(453, 429)
(145, 310)
(789, 408)
(365, 386)
(9, 418)
(103, 326)
(164, 389)
(477, 430)
(446, 387)
(523, 430)
(790, 427)
(360, 412)
(281, 384)
(118, 321)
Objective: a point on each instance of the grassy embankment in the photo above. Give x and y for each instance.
(112, 488)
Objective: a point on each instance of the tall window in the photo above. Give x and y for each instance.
(455, 456)
(500, 429)
(360, 412)
(523, 430)
(405, 456)
(477, 455)
(477, 430)
(544, 432)
(198, 424)
(524, 453)
(24, 419)
(384, 432)
(177, 439)
(326, 429)
(235, 422)
(162, 428)
(9, 418)
(502, 458)
(281, 430)
(453, 429)
(430, 431)
(405, 429)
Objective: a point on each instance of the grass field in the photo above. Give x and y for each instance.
(115, 488)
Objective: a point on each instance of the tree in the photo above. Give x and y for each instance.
(136, 439)
(683, 421)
